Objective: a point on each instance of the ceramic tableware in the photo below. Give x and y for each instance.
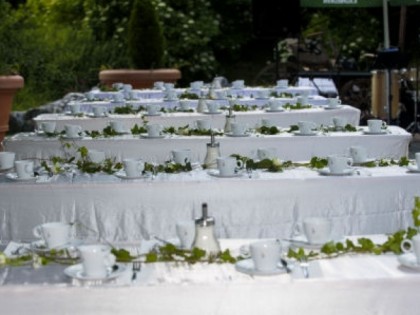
(267, 122)
(48, 126)
(72, 131)
(266, 153)
(358, 154)
(181, 156)
(7, 160)
(263, 93)
(238, 84)
(118, 97)
(376, 125)
(133, 167)
(213, 107)
(153, 110)
(302, 99)
(266, 254)
(333, 102)
(54, 234)
(24, 169)
(118, 126)
(275, 105)
(75, 108)
(98, 111)
(158, 85)
(412, 246)
(339, 122)
(238, 129)
(228, 165)
(203, 124)
(185, 230)
(96, 156)
(169, 86)
(97, 260)
(184, 105)
(306, 127)
(154, 130)
(196, 85)
(284, 83)
(337, 164)
(317, 230)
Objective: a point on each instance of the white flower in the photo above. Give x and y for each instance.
(36, 261)
(3, 259)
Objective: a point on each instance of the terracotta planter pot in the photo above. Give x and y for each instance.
(9, 85)
(139, 79)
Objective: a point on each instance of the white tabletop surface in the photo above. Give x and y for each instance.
(393, 144)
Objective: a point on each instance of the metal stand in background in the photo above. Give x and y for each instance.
(414, 126)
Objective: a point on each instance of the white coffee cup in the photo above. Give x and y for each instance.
(228, 165)
(118, 97)
(181, 156)
(154, 130)
(376, 125)
(263, 93)
(90, 96)
(24, 169)
(220, 94)
(339, 122)
(302, 99)
(184, 105)
(203, 124)
(238, 129)
(98, 111)
(118, 85)
(266, 153)
(48, 126)
(196, 85)
(275, 104)
(333, 102)
(54, 234)
(97, 260)
(74, 108)
(266, 254)
(306, 127)
(7, 160)
(266, 122)
(185, 230)
(96, 156)
(213, 107)
(133, 167)
(417, 157)
(338, 164)
(238, 84)
(158, 85)
(169, 86)
(72, 131)
(359, 154)
(152, 109)
(317, 230)
(412, 246)
(118, 126)
(282, 83)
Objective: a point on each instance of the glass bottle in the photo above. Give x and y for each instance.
(204, 233)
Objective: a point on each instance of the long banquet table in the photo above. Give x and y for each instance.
(317, 115)
(394, 144)
(348, 285)
(373, 200)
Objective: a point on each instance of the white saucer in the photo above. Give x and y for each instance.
(262, 98)
(75, 114)
(216, 173)
(123, 175)
(334, 107)
(92, 115)
(301, 241)
(382, 132)
(229, 134)
(327, 172)
(146, 136)
(152, 115)
(275, 110)
(39, 246)
(76, 272)
(413, 169)
(72, 138)
(409, 260)
(247, 266)
(298, 133)
(14, 177)
(212, 113)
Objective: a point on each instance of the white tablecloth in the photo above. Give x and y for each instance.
(178, 119)
(360, 284)
(379, 200)
(289, 146)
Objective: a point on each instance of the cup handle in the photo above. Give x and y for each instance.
(37, 231)
(350, 162)
(109, 260)
(240, 163)
(140, 167)
(338, 101)
(409, 243)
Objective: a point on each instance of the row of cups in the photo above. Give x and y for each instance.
(24, 168)
(97, 259)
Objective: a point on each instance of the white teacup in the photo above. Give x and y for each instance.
(127, 87)
(118, 126)
(169, 86)
(170, 94)
(275, 104)
(184, 105)
(302, 99)
(238, 129)
(263, 93)
(118, 85)
(118, 97)
(54, 234)
(220, 94)
(154, 130)
(72, 131)
(338, 164)
(7, 160)
(153, 109)
(90, 96)
(376, 125)
(334, 102)
(238, 84)
(75, 108)
(24, 169)
(339, 122)
(317, 230)
(196, 85)
(266, 122)
(96, 156)
(265, 254)
(48, 126)
(158, 85)
(181, 156)
(97, 260)
(412, 246)
(133, 167)
(417, 157)
(228, 165)
(306, 127)
(98, 111)
(282, 83)
(133, 95)
(185, 230)
(358, 154)
(266, 153)
(203, 124)
(213, 107)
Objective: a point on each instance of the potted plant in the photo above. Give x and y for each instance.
(146, 46)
